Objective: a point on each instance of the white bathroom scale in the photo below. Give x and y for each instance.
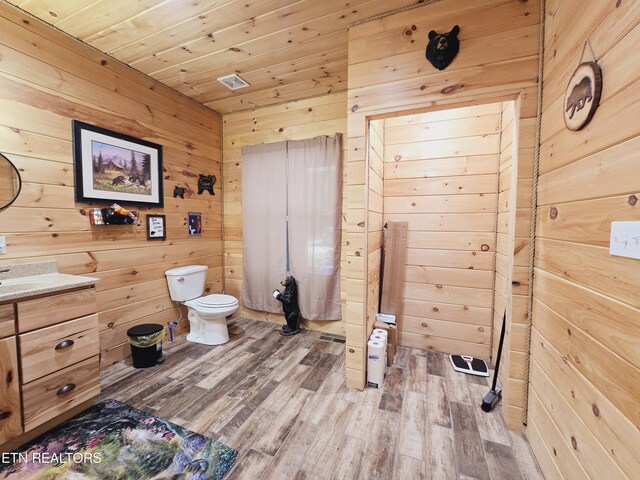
(469, 365)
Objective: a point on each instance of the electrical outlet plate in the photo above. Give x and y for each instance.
(3, 245)
(625, 239)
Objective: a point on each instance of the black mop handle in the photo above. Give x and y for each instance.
(495, 373)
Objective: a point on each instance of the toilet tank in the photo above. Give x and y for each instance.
(186, 283)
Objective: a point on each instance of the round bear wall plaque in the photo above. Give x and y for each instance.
(582, 96)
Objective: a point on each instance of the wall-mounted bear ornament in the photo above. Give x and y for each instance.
(205, 182)
(179, 191)
(443, 47)
(582, 96)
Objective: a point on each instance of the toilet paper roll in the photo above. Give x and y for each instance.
(382, 333)
(376, 363)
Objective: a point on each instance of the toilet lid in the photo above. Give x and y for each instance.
(217, 300)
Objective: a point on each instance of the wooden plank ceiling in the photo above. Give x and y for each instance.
(286, 50)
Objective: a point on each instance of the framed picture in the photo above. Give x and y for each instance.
(113, 167)
(195, 224)
(156, 229)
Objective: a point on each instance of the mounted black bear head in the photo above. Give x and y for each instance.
(443, 47)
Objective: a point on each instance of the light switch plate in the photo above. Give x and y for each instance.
(625, 239)
(3, 245)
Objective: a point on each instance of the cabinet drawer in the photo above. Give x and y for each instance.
(45, 311)
(7, 320)
(10, 412)
(49, 349)
(54, 394)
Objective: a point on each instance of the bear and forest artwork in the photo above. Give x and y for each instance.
(117, 169)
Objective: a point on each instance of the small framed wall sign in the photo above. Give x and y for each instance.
(195, 224)
(156, 228)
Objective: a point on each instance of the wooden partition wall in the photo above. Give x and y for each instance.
(512, 265)
(584, 415)
(46, 80)
(309, 118)
(441, 177)
(480, 74)
(375, 207)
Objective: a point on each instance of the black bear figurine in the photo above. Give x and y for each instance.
(290, 306)
(443, 47)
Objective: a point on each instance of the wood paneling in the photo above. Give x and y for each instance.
(285, 50)
(585, 364)
(452, 166)
(324, 115)
(46, 80)
(375, 195)
(510, 267)
(389, 77)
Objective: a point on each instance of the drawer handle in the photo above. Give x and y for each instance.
(65, 344)
(69, 387)
(4, 415)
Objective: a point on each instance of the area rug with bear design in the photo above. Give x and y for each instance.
(115, 441)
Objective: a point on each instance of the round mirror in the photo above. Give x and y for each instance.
(10, 182)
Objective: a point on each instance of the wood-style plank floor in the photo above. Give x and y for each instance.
(281, 401)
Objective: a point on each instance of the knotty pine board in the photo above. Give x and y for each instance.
(47, 80)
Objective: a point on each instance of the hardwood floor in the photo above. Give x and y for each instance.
(281, 401)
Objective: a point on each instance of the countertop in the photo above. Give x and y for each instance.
(28, 280)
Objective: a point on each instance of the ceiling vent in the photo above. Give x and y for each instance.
(233, 82)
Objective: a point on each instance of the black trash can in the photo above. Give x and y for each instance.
(146, 344)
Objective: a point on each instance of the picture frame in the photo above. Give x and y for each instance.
(113, 167)
(156, 227)
(194, 224)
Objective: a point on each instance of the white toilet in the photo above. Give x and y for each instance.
(207, 315)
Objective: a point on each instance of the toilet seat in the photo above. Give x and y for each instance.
(216, 300)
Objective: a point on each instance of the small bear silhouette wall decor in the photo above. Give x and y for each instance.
(205, 183)
(290, 307)
(582, 96)
(443, 47)
(179, 191)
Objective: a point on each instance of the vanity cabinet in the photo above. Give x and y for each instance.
(59, 353)
(57, 338)
(51, 310)
(10, 407)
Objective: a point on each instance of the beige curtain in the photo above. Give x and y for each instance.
(306, 176)
(264, 224)
(314, 180)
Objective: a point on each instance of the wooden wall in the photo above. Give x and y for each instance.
(512, 261)
(584, 415)
(324, 115)
(46, 80)
(375, 207)
(441, 177)
(388, 74)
